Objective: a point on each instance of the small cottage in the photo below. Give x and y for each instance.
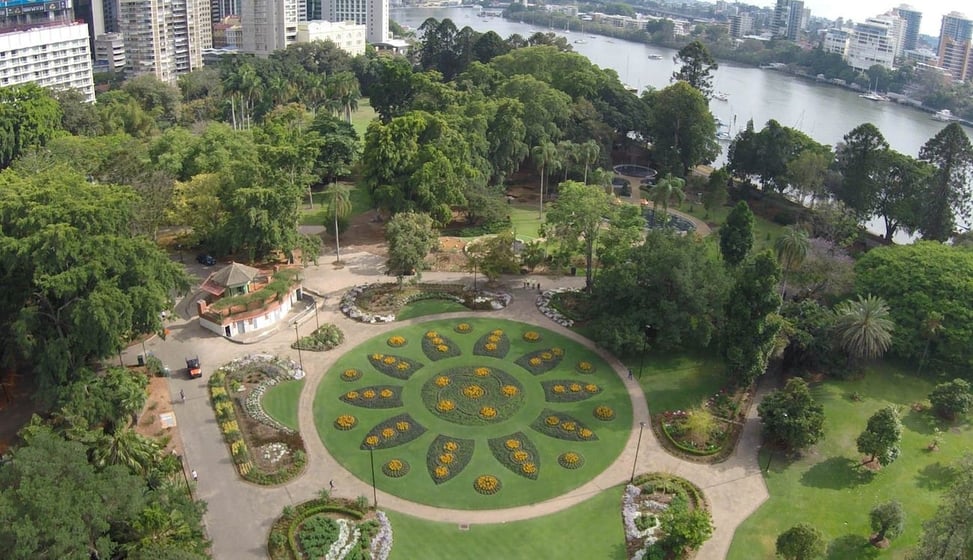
(241, 299)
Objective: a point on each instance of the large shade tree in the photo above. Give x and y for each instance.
(577, 219)
(696, 67)
(791, 416)
(751, 323)
(951, 153)
(681, 128)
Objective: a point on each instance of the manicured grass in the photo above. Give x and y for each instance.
(428, 307)
(828, 489)
(524, 220)
(364, 115)
(592, 529)
(280, 402)
(418, 485)
(677, 382)
(765, 232)
(361, 201)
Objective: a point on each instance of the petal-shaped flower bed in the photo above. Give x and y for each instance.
(473, 396)
(448, 456)
(517, 453)
(376, 396)
(541, 361)
(567, 390)
(438, 347)
(494, 344)
(561, 425)
(392, 432)
(398, 367)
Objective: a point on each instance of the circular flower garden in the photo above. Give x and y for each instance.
(473, 413)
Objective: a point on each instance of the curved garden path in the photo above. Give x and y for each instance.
(240, 514)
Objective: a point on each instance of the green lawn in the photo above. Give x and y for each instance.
(280, 402)
(827, 489)
(425, 307)
(525, 222)
(361, 202)
(364, 115)
(590, 530)
(677, 382)
(418, 485)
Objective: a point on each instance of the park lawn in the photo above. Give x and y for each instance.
(457, 492)
(677, 381)
(361, 202)
(361, 118)
(524, 220)
(425, 307)
(591, 529)
(280, 402)
(828, 489)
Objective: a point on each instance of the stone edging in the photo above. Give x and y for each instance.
(543, 303)
(349, 302)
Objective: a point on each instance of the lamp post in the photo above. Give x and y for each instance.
(300, 357)
(317, 323)
(371, 457)
(638, 444)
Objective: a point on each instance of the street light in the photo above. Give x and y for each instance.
(371, 457)
(637, 445)
(300, 357)
(317, 323)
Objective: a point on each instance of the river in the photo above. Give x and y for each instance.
(823, 112)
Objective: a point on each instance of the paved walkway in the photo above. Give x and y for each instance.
(240, 514)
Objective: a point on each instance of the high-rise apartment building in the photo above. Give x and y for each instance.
(741, 24)
(270, 25)
(373, 14)
(955, 37)
(778, 25)
(874, 41)
(54, 55)
(164, 38)
(110, 53)
(912, 19)
(795, 20)
(222, 9)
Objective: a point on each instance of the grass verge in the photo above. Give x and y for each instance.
(280, 402)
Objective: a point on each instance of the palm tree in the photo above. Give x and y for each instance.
(567, 151)
(863, 327)
(340, 208)
(588, 154)
(929, 330)
(546, 159)
(603, 178)
(792, 248)
(125, 447)
(345, 90)
(665, 190)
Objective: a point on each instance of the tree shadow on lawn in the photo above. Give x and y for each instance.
(836, 473)
(936, 476)
(851, 546)
(921, 422)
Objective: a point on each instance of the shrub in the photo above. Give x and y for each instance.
(951, 398)
(800, 542)
(325, 338)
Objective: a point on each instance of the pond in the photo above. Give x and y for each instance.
(633, 170)
(675, 221)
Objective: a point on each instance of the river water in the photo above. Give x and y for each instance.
(823, 112)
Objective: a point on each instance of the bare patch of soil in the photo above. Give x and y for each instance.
(159, 402)
(365, 233)
(16, 406)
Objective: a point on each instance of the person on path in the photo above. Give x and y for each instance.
(195, 476)
(630, 373)
(182, 395)
(331, 485)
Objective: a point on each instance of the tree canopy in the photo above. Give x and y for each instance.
(681, 128)
(791, 416)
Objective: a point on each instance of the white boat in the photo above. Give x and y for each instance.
(873, 96)
(945, 115)
(655, 56)
(720, 96)
(580, 41)
(724, 136)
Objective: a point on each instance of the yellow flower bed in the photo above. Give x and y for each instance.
(547, 356)
(446, 458)
(345, 422)
(350, 373)
(442, 381)
(402, 426)
(585, 366)
(488, 412)
(402, 366)
(568, 426)
(445, 405)
(442, 348)
(371, 441)
(473, 391)
(591, 388)
(559, 388)
(575, 387)
(604, 413)
(486, 484)
(432, 334)
(388, 360)
(552, 420)
(528, 468)
(394, 465)
(520, 455)
(217, 391)
(368, 393)
(585, 433)
(535, 362)
(509, 390)
(396, 341)
(437, 341)
(442, 471)
(464, 327)
(493, 338)
(490, 347)
(531, 336)
(571, 457)
(230, 427)
(557, 351)
(481, 372)
(450, 446)
(352, 395)
(388, 433)
(386, 393)
(497, 332)
(512, 444)
(377, 356)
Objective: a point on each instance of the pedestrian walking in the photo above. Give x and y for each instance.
(331, 485)
(195, 476)
(182, 395)
(630, 373)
